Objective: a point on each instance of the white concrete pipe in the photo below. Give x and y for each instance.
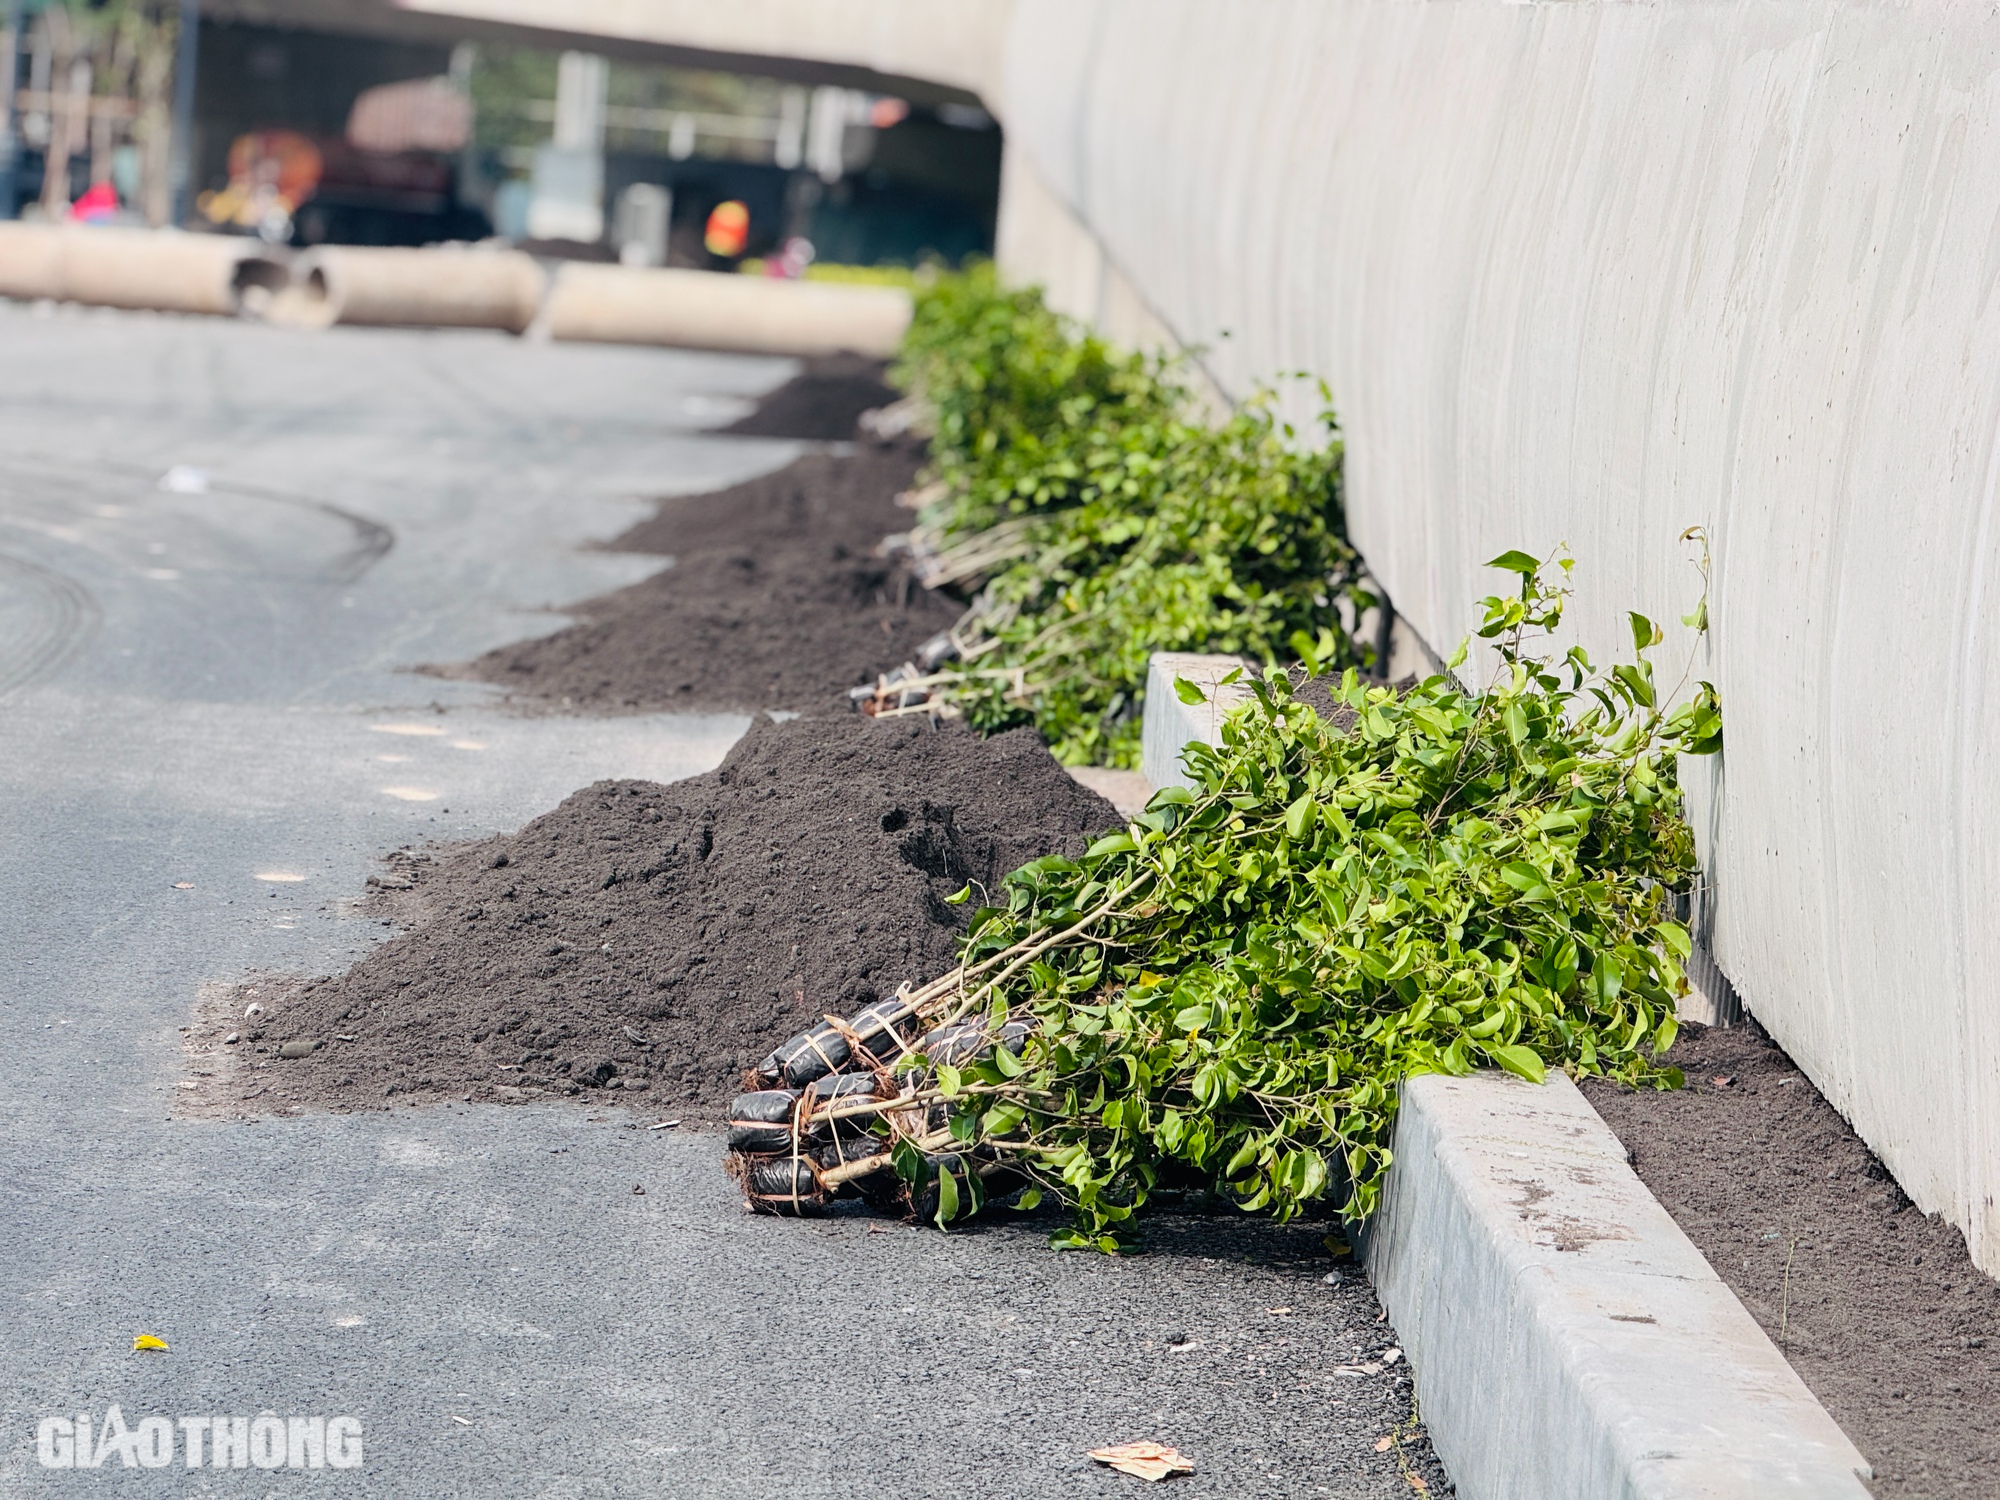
(30, 261)
(430, 288)
(709, 310)
(161, 269)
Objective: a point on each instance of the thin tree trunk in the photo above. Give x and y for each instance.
(153, 130)
(103, 141)
(69, 121)
(117, 87)
(55, 156)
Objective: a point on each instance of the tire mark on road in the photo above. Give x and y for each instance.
(61, 618)
(372, 542)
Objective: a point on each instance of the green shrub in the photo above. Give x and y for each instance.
(1109, 522)
(1233, 988)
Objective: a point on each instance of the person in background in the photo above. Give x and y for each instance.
(728, 230)
(97, 206)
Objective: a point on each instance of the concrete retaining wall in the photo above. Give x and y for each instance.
(1593, 274)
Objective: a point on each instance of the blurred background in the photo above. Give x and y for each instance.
(361, 122)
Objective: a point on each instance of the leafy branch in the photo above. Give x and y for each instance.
(1229, 991)
(1105, 523)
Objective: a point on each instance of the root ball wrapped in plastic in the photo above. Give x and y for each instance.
(807, 1056)
(763, 1121)
(845, 1088)
(850, 1149)
(887, 1029)
(788, 1186)
(964, 1043)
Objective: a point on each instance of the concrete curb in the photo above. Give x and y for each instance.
(1566, 1338)
(1169, 724)
(1568, 1342)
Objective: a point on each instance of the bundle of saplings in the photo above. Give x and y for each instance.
(1230, 991)
(1105, 521)
(1013, 394)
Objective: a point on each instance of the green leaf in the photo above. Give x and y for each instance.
(1187, 692)
(1515, 562)
(1028, 1200)
(947, 1208)
(1002, 1119)
(1245, 1154)
(1299, 817)
(1009, 1065)
(1637, 680)
(1520, 1061)
(949, 1081)
(1645, 634)
(1607, 977)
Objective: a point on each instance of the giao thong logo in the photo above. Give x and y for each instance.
(265, 1441)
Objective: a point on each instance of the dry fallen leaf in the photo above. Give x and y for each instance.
(1385, 1445)
(183, 885)
(1151, 1462)
(148, 1341)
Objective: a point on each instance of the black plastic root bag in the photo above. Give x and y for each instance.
(845, 1088)
(967, 1042)
(784, 1185)
(809, 1055)
(887, 1029)
(851, 1148)
(762, 1122)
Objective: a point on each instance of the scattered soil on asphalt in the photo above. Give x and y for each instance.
(646, 943)
(775, 600)
(822, 402)
(1877, 1307)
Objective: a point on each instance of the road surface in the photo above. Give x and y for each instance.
(222, 548)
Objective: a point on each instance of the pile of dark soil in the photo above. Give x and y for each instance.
(1877, 1307)
(776, 600)
(822, 402)
(663, 938)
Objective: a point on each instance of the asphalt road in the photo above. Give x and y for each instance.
(204, 706)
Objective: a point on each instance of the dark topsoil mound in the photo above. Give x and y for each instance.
(1877, 1307)
(822, 402)
(663, 938)
(776, 599)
